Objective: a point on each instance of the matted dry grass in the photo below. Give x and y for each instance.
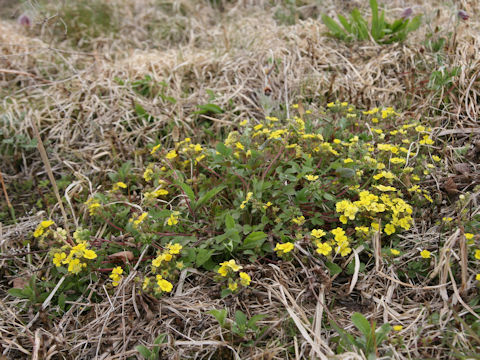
(88, 120)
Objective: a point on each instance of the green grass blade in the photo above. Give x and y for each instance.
(333, 26)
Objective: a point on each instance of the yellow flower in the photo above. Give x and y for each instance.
(468, 236)
(243, 123)
(394, 252)
(311, 177)
(299, 220)
(324, 249)
(146, 283)
(436, 158)
(425, 254)
(233, 286)
(267, 205)
(398, 327)
(420, 128)
(284, 248)
(174, 249)
(477, 277)
(330, 104)
(89, 254)
(179, 265)
(46, 223)
(75, 266)
(58, 258)
(244, 278)
(155, 148)
(223, 271)
(343, 249)
(318, 233)
(427, 140)
(171, 155)
(164, 285)
(173, 219)
(477, 254)
(232, 265)
(120, 185)
(117, 270)
(348, 161)
(38, 232)
(147, 175)
(239, 145)
(389, 229)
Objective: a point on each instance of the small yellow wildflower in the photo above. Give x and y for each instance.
(347, 161)
(311, 177)
(147, 174)
(164, 285)
(324, 249)
(146, 283)
(75, 266)
(267, 205)
(174, 249)
(89, 254)
(58, 258)
(436, 158)
(233, 286)
(398, 327)
(425, 254)
(284, 248)
(299, 220)
(243, 123)
(318, 233)
(394, 252)
(477, 277)
(171, 155)
(389, 229)
(173, 218)
(239, 145)
(155, 148)
(244, 278)
(477, 254)
(468, 236)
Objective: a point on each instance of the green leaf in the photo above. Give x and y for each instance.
(240, 319)
(187, 189)
(414, 24)
(375, 30)
(382, 333)
(18, 293)
(251, 323)
(333, 26)
(220, 315)
(160, 339)
(209, 108)
(222, 149)
(343, 20)
(362, 324)
(203, 255)
(143, 350)
(204, 198)
(229, 222)
(61, 301)
(254, 240)
(225, 292)
(345, 172)
(334, 268)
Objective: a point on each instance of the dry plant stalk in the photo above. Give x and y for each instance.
(9, 204)
(49, 171)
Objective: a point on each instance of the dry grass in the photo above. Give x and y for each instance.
(68, 86)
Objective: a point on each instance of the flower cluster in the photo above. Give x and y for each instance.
(231, 276)
(116, 275)
(165, 267)
(43, 228)
(75, 257)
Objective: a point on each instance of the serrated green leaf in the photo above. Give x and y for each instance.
(334, 268)
(240, 319)
(220, 315)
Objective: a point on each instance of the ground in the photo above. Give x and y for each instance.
(97, 84)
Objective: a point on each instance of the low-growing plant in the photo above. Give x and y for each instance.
(154, 352)
(380, 31)
(370, 339)
(240, 325)
(327, 181)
